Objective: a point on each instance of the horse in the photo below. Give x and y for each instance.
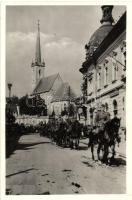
(75, 134)
(104, 137)
(93, 139)
(111, 137)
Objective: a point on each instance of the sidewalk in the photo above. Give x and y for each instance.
(121, 150)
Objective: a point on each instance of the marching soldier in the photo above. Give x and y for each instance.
(116, 125)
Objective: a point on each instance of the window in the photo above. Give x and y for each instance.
(114, 72)
(105, 76)
(114, 66)
(115, 107)
(123, 102)
(39, 72)
(98, 80)
(106, 107)
(90, 85)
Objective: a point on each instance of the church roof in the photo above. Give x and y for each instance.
(38, 61)
(45, 84)
(64, 93)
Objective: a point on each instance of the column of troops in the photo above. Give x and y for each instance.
(67, 132)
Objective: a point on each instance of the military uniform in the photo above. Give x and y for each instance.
(101, 118)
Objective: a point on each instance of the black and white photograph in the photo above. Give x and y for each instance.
(65, 99)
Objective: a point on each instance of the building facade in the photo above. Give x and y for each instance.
(63, 100)
(104, 70)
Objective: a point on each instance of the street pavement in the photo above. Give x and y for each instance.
(40, 167)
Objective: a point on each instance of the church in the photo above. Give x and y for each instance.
(104, 69)
(52, 89)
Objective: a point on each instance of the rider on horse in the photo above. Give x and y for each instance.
(101, 118)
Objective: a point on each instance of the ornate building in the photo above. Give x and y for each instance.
(104, 70)
(51, 88)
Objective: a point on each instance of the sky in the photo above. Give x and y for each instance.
(64, 32)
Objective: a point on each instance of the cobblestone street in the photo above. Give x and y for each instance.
(38, 167)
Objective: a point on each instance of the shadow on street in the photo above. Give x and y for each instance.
(117, 162)
(22, 146)
(24, 171)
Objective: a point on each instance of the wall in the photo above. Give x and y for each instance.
(31, 120)
(49, 95)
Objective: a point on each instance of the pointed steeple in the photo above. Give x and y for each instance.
(38, 66)
(38, 47)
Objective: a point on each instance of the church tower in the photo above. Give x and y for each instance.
(37, 66)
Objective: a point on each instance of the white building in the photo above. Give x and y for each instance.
(104, 70)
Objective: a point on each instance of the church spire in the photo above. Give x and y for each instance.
(38, 47)
(38, 67)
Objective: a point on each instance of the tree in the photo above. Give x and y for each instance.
(34, 106)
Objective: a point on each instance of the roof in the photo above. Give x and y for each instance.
(99, 36)
(115, 32)
(64, 93)
(45, 84)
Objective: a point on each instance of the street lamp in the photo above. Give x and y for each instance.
(9, 88)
